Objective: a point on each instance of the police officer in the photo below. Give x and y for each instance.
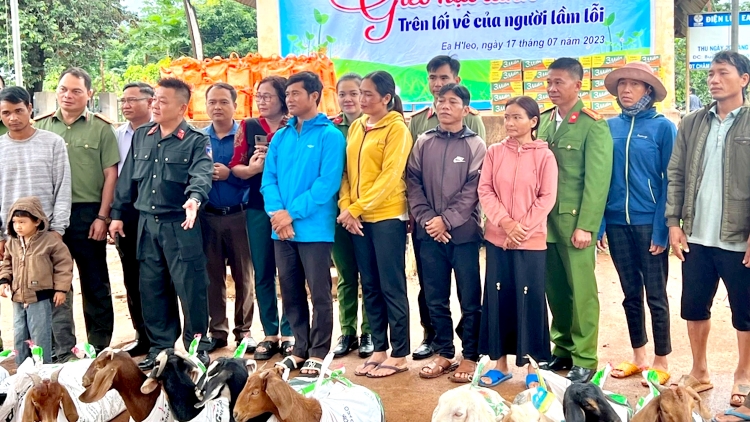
(583, 147)
(441, 71)
(170, 166)
(93, 155)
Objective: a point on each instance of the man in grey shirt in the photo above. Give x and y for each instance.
(695, 101)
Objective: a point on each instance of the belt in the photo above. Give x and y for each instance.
(234, 209)
(169, 217)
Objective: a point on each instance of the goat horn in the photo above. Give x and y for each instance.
(35, 378)
(161, 359)
(55, 375)
(186, 358)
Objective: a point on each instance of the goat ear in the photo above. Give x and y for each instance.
(285, 398)
(69, 408)
(102, 383)
(649, 413)
(149, 385)
(30, 413)
(251, 365)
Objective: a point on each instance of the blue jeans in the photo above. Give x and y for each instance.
(34, 323)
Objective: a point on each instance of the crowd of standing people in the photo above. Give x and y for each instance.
(284, 194)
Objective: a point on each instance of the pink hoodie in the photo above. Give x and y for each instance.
(518, 185)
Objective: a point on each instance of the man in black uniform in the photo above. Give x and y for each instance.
(169, 164)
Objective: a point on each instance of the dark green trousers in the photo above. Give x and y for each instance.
(348, 283)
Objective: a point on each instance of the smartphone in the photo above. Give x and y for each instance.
(261, 140)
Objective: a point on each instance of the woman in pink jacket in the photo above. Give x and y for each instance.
(517, 189)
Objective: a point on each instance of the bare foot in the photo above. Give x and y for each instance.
(370, 364)
(721, 417)
(380, 371)
(534, 384)
(305, 371)
(499, 366)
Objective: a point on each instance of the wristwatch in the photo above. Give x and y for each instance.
(106, 220)
(197, 201)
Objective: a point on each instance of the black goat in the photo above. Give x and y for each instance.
(230, 373)
(585, 402)
(177, 374)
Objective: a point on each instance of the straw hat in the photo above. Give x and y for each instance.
(640, 72)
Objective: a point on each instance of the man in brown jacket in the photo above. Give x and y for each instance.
(708, 214)
(37, 271)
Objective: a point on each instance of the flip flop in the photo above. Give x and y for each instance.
(395, 369)
(531, 378)
(627, 368)
(692, 382)
(496, 377)
(368, 364)
(662, 376)
(739, 389)
(736, 414)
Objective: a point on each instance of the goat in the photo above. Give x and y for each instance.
(115, 370)
(467, 404)
(177, 374)
(44, 398)
(585, 402)
(230, 373)
(674, 404)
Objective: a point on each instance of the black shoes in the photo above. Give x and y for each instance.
(580, 375)
(216, 344)
(365, 346)
(346, 344)
(149, 362)
(557, 364)
(424, 351)
(137, 348)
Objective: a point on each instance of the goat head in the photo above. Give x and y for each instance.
(585, 402)
(44, 398)
(462, 405)
(674, 404)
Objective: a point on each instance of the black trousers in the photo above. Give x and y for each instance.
(638, 269)
(381, 257)
(297, 262)
(172, 265)
(438, 262)
(127, 247)
(424, 311)
(90, 257)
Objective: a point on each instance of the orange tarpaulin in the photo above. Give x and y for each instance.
(244, 74)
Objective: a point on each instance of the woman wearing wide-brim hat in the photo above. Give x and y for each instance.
(634, 221)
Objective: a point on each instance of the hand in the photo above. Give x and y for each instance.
(746, 259)
(5, 290)
(2, 248)
(656, 250)
(285, 233)
(221, 172)
(602, 244)
(517, 235)
(110, 240)
(116, 229)
(98, 230)
(261, 150)
(58, 299)
(280, 219)
(257, 161)
(191, 211)
(410, 224)
(443, 238)
(351, 224)
(436, 228)
(678, 241)
(581, 239)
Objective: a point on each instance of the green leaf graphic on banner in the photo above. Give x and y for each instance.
(610, 19)
(330, 39)
(309, 35)
(292, 38)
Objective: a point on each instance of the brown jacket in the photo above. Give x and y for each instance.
(43, 266)
(685, 172)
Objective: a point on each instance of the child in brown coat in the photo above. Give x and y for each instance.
(37, 271)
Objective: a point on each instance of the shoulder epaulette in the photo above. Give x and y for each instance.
(473, 111)
(336, 119)
(103, 118)
(44, 116)
(420, 111)
(591, 113)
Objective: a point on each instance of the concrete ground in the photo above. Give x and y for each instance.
(406, 397)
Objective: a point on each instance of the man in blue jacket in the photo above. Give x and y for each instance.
(302, 176)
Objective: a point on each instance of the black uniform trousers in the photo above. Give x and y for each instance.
(439, 260)
(381, 258)
(424, 311)
(172, 265)
(90, 257)
(297, 262)
(127, 247)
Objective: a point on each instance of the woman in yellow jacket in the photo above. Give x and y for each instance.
(373, 208)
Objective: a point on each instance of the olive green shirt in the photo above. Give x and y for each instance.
(3, 129)
(427, 119)
(163, 172)
(341, 123)
(92, 148)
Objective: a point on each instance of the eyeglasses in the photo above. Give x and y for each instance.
(264, 98)
(131, 100)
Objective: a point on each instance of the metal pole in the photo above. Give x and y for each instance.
(16, 29)
(687, 69)
(195, 34)
(735, 25)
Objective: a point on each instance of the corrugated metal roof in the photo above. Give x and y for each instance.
(682, 8)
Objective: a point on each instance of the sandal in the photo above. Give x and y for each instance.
(739, 389)
(287, 347)
(692, 382)
(395, 369)
(626, 369)
(441, 366)
(288, 362)
(313, 367)
(368, 364)
(662, 376)
(531, 378)
(736, 414)
(496, 378)
(270, 350)
(466, 367)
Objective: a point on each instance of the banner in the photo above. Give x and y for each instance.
(401, 36)
(709, 33)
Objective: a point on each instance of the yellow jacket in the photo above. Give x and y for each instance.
(373, 187)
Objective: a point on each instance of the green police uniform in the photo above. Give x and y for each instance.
(3, 129)
(163, 172)
(346, 265)
(92, 147)
(427, 119)
(583, 148)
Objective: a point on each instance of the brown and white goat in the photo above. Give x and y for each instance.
(267, 392)
(675, 404)
(44, 398)
(116, 370)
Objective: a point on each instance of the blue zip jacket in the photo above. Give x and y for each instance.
(638, 190)
(302, 175)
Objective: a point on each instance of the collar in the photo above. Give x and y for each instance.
(180, 132)
(210, 131)
(431, 112)
(465, 132)
(732, 114)
(85, 114)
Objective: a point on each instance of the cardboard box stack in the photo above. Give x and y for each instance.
(506, 82)
(535, 74)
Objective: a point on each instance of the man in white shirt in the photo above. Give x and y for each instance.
(136, 108)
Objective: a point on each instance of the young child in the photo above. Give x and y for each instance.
(37, 271)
